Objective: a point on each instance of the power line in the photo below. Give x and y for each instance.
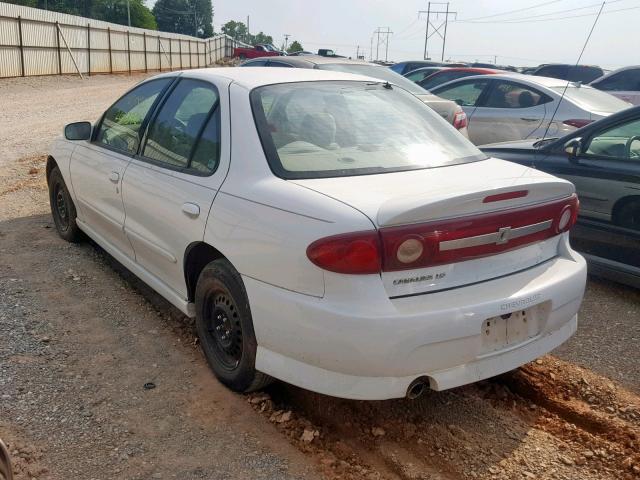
(511, 11)
(436, 28)
(385, 41)
(518, 19)
(570, 17)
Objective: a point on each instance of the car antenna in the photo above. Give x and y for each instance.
(577, 63)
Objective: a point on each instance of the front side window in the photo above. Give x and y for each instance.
(465, 94)
(621, 142)
(329, 129)
(174, 133)
(443, 77)
(120, 126)
(514, 95)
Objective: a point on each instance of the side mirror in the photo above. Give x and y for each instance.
(573, 148)
(78, 131)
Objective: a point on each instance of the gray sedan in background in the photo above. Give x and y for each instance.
(449, 110)
(509, 107)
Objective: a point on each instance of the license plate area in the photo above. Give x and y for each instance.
(512, 328)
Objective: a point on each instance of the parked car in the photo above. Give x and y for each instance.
(623, 83)
(448, 109)
(449, 74)
(257, 51)
(310, 221)
(504, 68)
(573, 73)
(603, 161)
(403, 68)
(514, 106)
(300, 52)
(422, 73)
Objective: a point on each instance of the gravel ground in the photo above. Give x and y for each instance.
(80, 336)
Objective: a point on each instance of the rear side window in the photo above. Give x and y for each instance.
(465, 94)
(514, 95)
(173, 136)
(627, 80)
(121, 124)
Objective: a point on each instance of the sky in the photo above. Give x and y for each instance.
(540, 32)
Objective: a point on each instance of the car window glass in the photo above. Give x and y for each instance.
(621, 142)
(465, 94)
(554, 71)
(279, 64)
(174, 131)
(627, 80)
(255, 63)
(120, 126)
(443, 77)
(513, 95)
(207, 153)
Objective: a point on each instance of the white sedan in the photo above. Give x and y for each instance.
(326, 229)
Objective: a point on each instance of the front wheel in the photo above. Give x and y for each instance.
(225, 327)
(63, 209)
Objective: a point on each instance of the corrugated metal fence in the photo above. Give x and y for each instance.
(41, 42)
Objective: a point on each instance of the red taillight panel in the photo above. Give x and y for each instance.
(457, 240)
(577, 122)
(355, 253)
(443, 242)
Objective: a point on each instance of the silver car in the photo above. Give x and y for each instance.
(509, 107)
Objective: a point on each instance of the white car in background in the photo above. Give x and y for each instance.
(513, 106)
(369, 262)
(623, 83)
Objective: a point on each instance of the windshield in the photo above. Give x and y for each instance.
(334, 129)
(593, 100)
(375, 71)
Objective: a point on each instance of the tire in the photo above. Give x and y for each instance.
(225, 328)
(629, 216)
(63, 209)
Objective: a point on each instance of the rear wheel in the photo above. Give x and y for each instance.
(225, 327)
(63, 209)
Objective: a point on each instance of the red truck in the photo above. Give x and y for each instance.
(263, 50)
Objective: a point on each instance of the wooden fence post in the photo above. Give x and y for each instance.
(190, 57)
(159, 54)
(129, 52)
(58, 45)
(89, 49)
(180, 45)
(144, 44)
(110, 60)
(21, 45)
(170, 55)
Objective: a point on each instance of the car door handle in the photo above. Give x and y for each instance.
(114, 177)
(191, 209)
(528, 119)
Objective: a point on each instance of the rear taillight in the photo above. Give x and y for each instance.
(577, 122)
(443, 242)
(460, 120)
(355, 253)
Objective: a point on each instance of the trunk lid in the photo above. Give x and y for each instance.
(454, 192)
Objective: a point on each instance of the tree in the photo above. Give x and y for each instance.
(238, 30)
(115, 11)
(295, 46)
(189, 17)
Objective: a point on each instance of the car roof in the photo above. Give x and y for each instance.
(472, 69)
(252, 77)
(310, 61)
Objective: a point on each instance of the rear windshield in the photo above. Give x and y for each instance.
(375, 71)
(592, 99)
(335, 129)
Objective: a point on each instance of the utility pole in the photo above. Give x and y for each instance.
(371, 50)
(248, 31)
(385, 40)
(437, 26)
(129, 11)
(286, 40)
(357, 52)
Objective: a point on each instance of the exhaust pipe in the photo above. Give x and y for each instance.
(417, 388)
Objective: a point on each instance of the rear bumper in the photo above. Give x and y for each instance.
(374, 347)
